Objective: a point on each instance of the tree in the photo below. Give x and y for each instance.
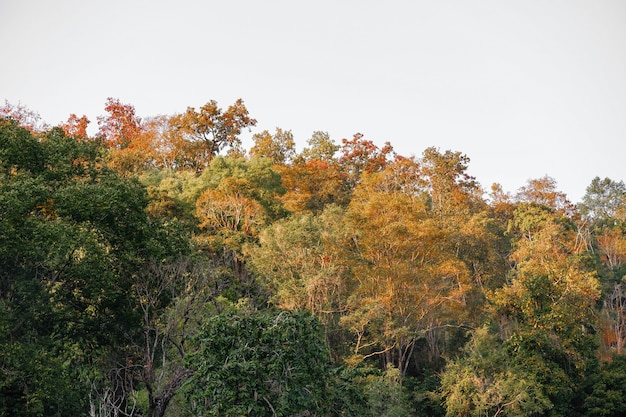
(19, 150)
(280, 147)
(261, 364)
(214, 128)
(74, 235)
(76, 126)
(614, 324)
(546, 311)
(173, 298)
(121, 126)
(25, 117)
(607, 396)
(491, 380)
(359, 155)
(312, 185)
(409, 279)
(237, 200)
(300, 261)
(544, 191)
(452, 190)
(320, 147)
(386, 397)
(604, 201)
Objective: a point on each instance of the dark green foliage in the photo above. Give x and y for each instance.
(607, 396)
(19, 150)
(260, 364)
(73, 235)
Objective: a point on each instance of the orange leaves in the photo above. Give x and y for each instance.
(313, 184)
(76, 126)
(280, 147)
(229, 212)
(25, 117)
(612, 244)
(215, 128)
(362, 156)
(121, 126)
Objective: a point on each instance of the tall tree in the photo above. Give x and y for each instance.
(452, 190)
(280, 147)
(604, 201)
(74, 235)
(301, 261)
(76, 126)
(544, 191)
(120, 127)
(359, 155)
(547, 309)
(409, 278)
(173, 298)
(320, 147)
(214, 128)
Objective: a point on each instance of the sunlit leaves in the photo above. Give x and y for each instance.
(359, 155)
(76, 126)
(488, 380)
(215, 128)
(120, 126)
(280, 147)
(25, 117)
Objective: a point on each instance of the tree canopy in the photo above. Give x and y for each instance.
(157, 268)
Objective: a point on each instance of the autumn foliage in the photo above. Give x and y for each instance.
(158, 268)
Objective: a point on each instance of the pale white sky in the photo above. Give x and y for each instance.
(525, 88)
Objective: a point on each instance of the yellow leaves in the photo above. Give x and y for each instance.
(612, 244)
(46, 209)
(231, 212)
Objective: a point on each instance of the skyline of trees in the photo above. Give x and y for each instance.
(143, 263)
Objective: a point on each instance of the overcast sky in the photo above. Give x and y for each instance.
(525, 88)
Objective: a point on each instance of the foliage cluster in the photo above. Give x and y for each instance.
(160, 269)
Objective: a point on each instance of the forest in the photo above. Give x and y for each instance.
(157, 268)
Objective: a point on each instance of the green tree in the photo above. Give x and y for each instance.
(261, 364)
(320, 147)
(386, 397)
(607, 396)
(300, 261)
(604, 201)
(491, 379)
(546, 311)
(19, 150)
(74, 235)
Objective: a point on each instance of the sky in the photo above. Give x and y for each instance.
(524, 88)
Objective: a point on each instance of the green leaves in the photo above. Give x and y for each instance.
(261, 364)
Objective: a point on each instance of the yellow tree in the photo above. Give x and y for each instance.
(311, 185)
(407, 275)
(280, 147)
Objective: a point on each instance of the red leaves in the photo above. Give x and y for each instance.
(121, 126)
